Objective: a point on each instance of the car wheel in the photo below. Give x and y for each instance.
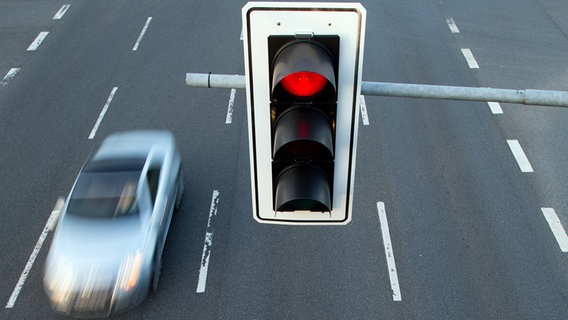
(157, 271)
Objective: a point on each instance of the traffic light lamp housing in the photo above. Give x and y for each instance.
(303, 68)
(303, 106)
(304, 55)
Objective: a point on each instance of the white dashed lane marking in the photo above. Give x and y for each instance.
(364, 114)
(229, 118)
(38, 40)
(142, 34)
(102, 114)
(393, 275)
(556, 228)
(208, 243)
(61, 12)
(468, 55)
(9, 76)
(453, 27)
(495, 107)
(520, 155)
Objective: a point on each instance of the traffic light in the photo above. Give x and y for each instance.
(303, 68)
(303, 105)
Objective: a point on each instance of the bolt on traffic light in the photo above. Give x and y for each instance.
(303, 63)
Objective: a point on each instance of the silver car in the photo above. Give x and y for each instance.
(106, 251)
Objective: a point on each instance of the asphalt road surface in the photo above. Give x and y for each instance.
(475, 194)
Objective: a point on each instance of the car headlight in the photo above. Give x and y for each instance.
(60, 280)
(130, 271)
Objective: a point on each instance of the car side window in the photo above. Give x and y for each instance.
(153, 176)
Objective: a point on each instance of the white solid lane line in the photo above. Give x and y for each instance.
(556, 227)
(49, 226)
(61, 12)
(38, 40)
(208, 243)
(471, 62)
(102, 114)
(389, 252)
(453, 27)
(520, 155)
(9, 75)
(142, 34)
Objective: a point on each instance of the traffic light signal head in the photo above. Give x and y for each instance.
(303, 106)
(302, 64)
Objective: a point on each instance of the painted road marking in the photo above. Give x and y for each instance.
(9, 76)
(453, 27)
(471, 62)
(389, 252)
(208, 243)
(229, 118)
(49, 226)
(61, 12)
(520, 156)
(38, 40)
(102, 114)
(364, 115)
(495, 107)
(556, 227)
(142, 34)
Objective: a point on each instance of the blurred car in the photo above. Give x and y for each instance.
(106, 252)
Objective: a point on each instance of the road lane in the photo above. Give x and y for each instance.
(525, 48)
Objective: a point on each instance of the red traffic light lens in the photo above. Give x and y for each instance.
(304, 83)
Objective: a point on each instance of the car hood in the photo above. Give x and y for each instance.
(133, 144)
(93, 248)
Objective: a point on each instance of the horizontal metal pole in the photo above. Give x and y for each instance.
(208, 80)
(528, 96)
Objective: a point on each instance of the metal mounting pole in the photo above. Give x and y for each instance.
(527, 97)
(208, 80)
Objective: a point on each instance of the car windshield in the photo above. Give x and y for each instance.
(105, 194)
